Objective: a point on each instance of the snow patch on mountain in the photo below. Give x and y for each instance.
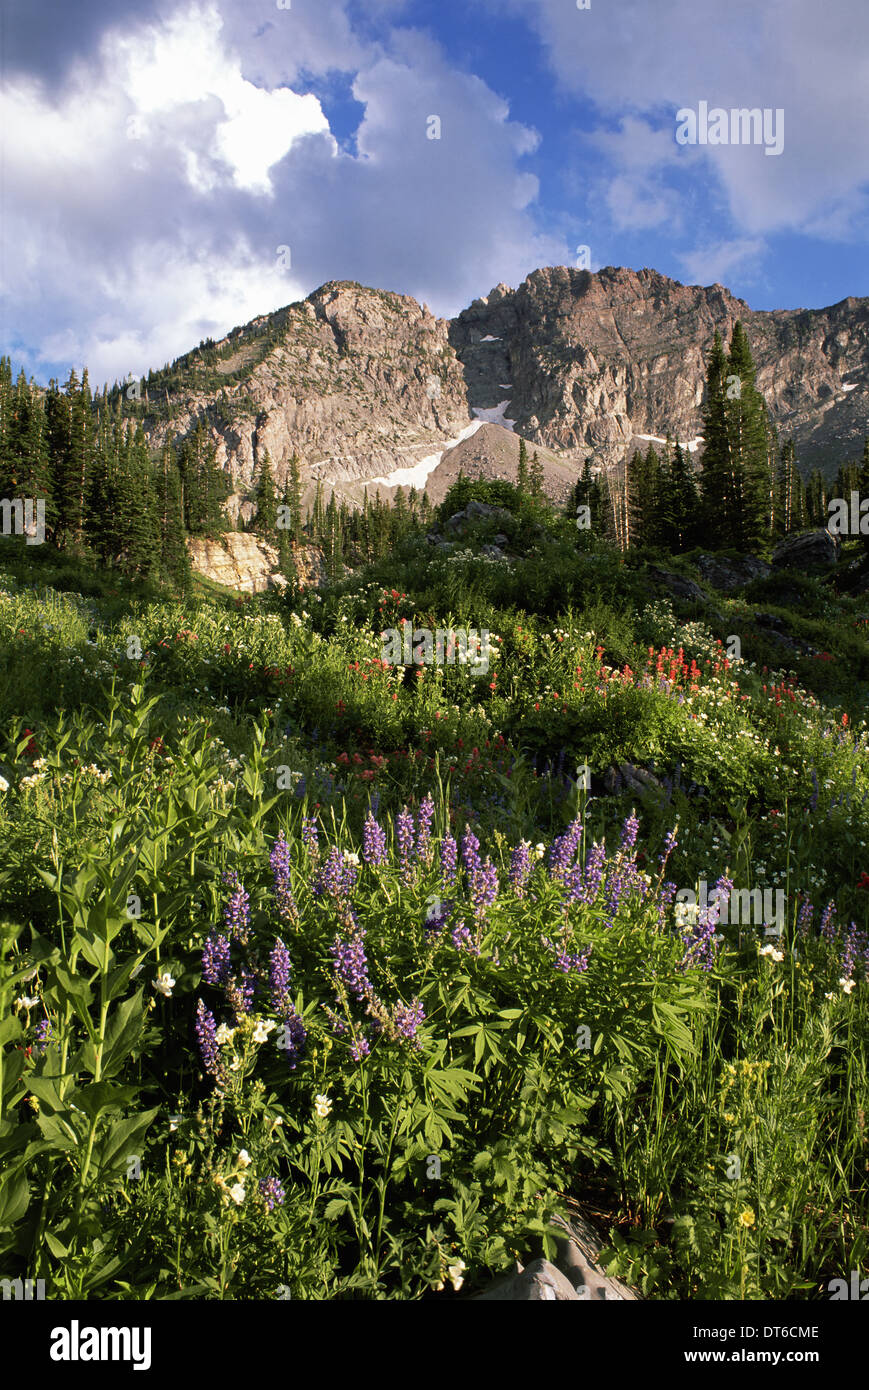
(494, 416)
(691, 445)
(417, 475)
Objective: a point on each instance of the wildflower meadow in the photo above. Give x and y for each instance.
(330, 976)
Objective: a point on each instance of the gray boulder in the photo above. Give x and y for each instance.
(727, 575)
(579, 1248)
(678, 585)
(540, 1282)
(813, 550)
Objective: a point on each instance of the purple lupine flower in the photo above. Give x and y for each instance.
(404, 836)
(338, 1026)
(424, 819)
(437, 916)
(566, 962)
(484, 888)
(669, 845)
(616, 886)
(373, 842)
(206, 1033)
(279, 977)
(240, 992)
(360, 1048)
(520, 868)
(337, 877)
(236, 914)
(462, 939)
(351, 965)
(216, 963)
(272, 1192)
(804, 919)
(406, 1020)
(45, 1034)
(279, 859)
(594, 869)
(563, 849)
(699, 946)
(666, 898)
(828, 925)
(449, 861)
(470, 851)
(293, 1036)
(311, 836)
(629, 831)
(849, 950)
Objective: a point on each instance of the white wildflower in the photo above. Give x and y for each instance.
(164, 984)
(322, 1106)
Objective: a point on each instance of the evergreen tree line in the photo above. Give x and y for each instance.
(347, 536)
(748, 493)
(108, 495)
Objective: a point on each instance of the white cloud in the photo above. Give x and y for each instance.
(145, 202)
(811, 60)
(714, 265)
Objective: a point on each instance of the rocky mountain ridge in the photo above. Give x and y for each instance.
(368, 388)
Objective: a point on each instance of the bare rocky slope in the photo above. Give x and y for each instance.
(370, 389)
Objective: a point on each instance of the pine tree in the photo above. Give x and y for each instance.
(204, 485)
(141, 537)
(644, 473)
(174, 557)
(537, 489)
(6, 390)
(318, 517)
(817, 496)
(787, 488)
(748, 428)
(522, 471)
(738, 449)
(267, 506)
(25, 448)
(679, 511)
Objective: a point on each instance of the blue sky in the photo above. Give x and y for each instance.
(174, 167)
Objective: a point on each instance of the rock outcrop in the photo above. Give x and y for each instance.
(238, 561)
(813, 550)
(592, 363)
(368, 388)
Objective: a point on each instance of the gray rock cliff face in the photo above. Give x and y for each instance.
(594, 360)
(365, 385)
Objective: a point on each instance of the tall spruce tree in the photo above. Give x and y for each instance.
(174, 557)
(266, 501)
(536, 474)
(737, 449)
(522, 469)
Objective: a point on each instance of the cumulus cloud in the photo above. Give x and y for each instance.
(165, 194)
(714, 265)
(637, 59)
